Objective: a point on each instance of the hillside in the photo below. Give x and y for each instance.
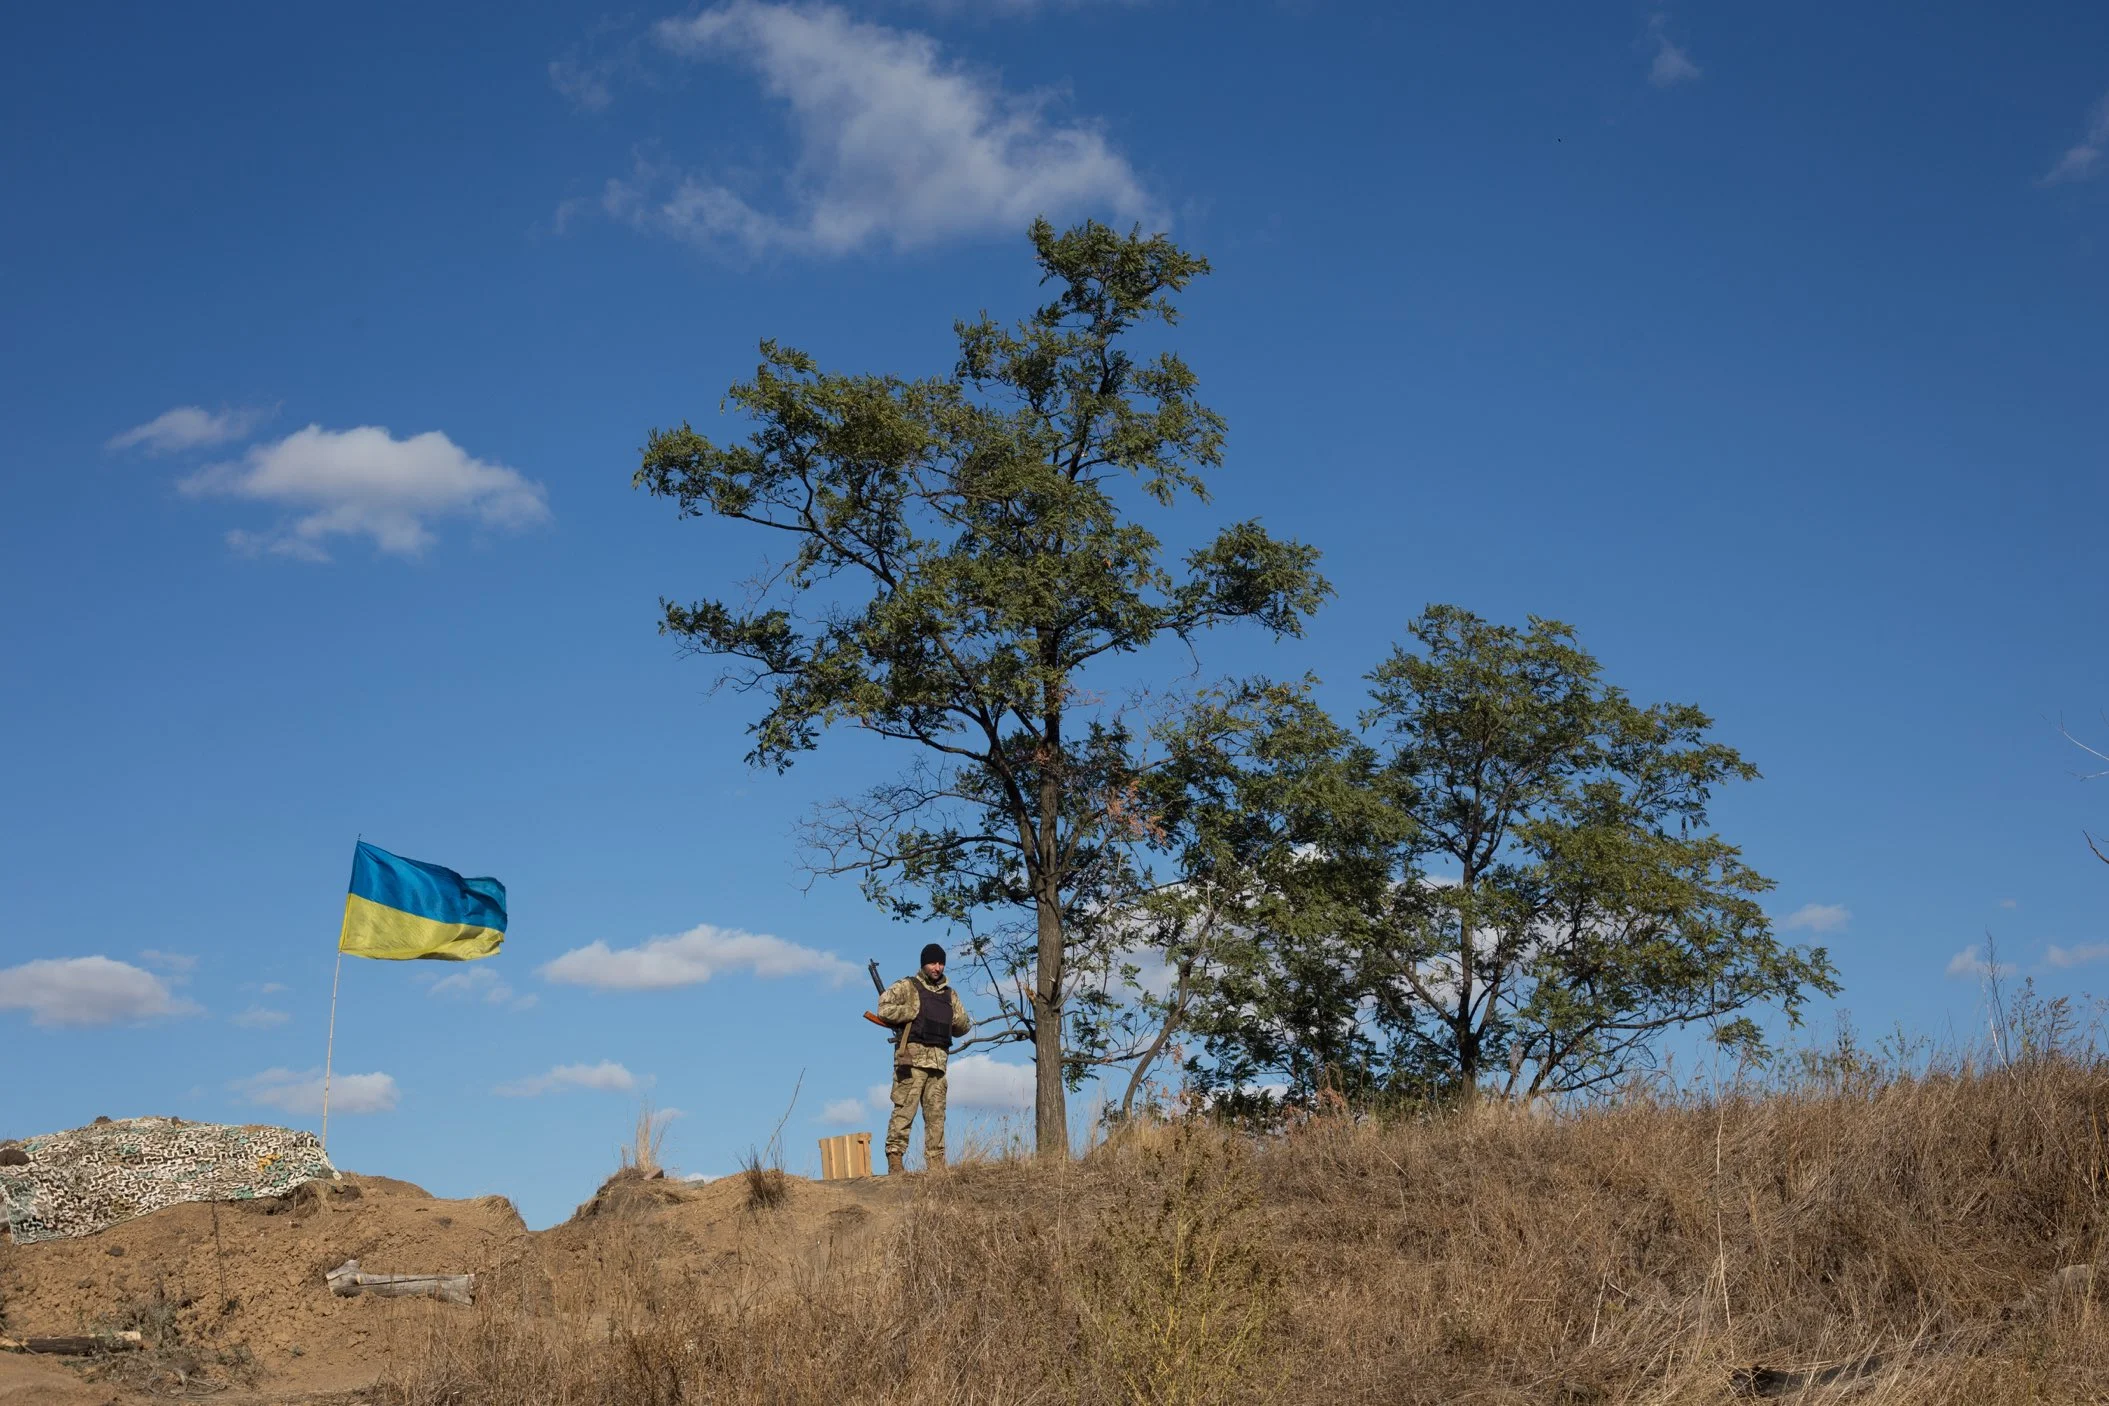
(1915, 1240)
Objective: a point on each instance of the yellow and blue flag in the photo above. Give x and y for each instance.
(401, 908)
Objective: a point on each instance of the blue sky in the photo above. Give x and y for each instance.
(1762, 345)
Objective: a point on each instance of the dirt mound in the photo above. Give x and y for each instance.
(234, 1294)
(630, 1192)
(240, 1283)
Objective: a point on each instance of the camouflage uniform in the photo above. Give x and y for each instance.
(918, 1070)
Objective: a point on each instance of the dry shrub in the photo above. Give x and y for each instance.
(1175, 1289)
(1880, 1240)
(642, 1154)
(766, 1184)
(999, 1139)
(167, 1364)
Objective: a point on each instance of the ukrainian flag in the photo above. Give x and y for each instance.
(400, 908)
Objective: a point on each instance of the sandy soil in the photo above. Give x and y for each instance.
(236, 1290)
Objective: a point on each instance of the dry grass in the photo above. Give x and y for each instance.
(1873, 1238)
(169, 1363)
(767, 1185)
(642, 1153)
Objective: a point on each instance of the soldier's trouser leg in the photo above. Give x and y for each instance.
(907, 1092)
(933, 1118)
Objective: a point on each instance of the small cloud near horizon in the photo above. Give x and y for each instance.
(2080, 955)
(187, 427)
(88, 991)
(977, 1082)
(301, 1092)
(844, 1110)
(1970, 963)
(606, 1077)
(691, 958)
(1818, 917)
(364, 482)
(480, 983)
(258, 1018)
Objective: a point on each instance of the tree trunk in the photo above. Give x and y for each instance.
(1175, 1011)
(1467, 962)
(1050, 1098)
(1467, 1066)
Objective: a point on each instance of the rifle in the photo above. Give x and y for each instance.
(878, 984)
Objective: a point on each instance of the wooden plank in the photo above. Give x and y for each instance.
(75, 1346)
(347, 1281)
(447, 1288)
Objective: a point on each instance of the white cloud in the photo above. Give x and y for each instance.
(2009, 903)
(1672, 64)
(366, 482)
(607, 1076)
(2076, 956)
(895, 144)
(187, 427)
(289, 1092)
(177, 964)
(1006, 8)
(258, 1018)
(976, 1082)
(1970, 963)
(87, 991)
(587, 84)
(2084, 157)
(847, 1110)
(979, 1081)
(1818, 917)
(692, 957)
(480, 983)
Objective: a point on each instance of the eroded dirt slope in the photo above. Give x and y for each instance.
(234, 1293)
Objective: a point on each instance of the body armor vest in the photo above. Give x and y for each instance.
(933, 1022)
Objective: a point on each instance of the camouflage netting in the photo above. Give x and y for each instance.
(79, 1182)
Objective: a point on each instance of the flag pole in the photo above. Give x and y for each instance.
(330, 1051)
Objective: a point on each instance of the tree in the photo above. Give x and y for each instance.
(1203, 850)
(963, 549)
(1256, 784)
(1544, 902)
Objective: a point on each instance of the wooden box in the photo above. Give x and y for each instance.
(846, 1157)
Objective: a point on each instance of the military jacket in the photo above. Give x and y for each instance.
(899, 1007)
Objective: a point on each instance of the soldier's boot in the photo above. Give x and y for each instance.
(934, 1160)
(893, 1164)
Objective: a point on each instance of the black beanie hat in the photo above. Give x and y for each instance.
(933, 953)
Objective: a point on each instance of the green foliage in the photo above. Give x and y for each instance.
(1532, 901)
(1253, 779)
(962, 550)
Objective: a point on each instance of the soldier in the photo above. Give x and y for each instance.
(927, 1013)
